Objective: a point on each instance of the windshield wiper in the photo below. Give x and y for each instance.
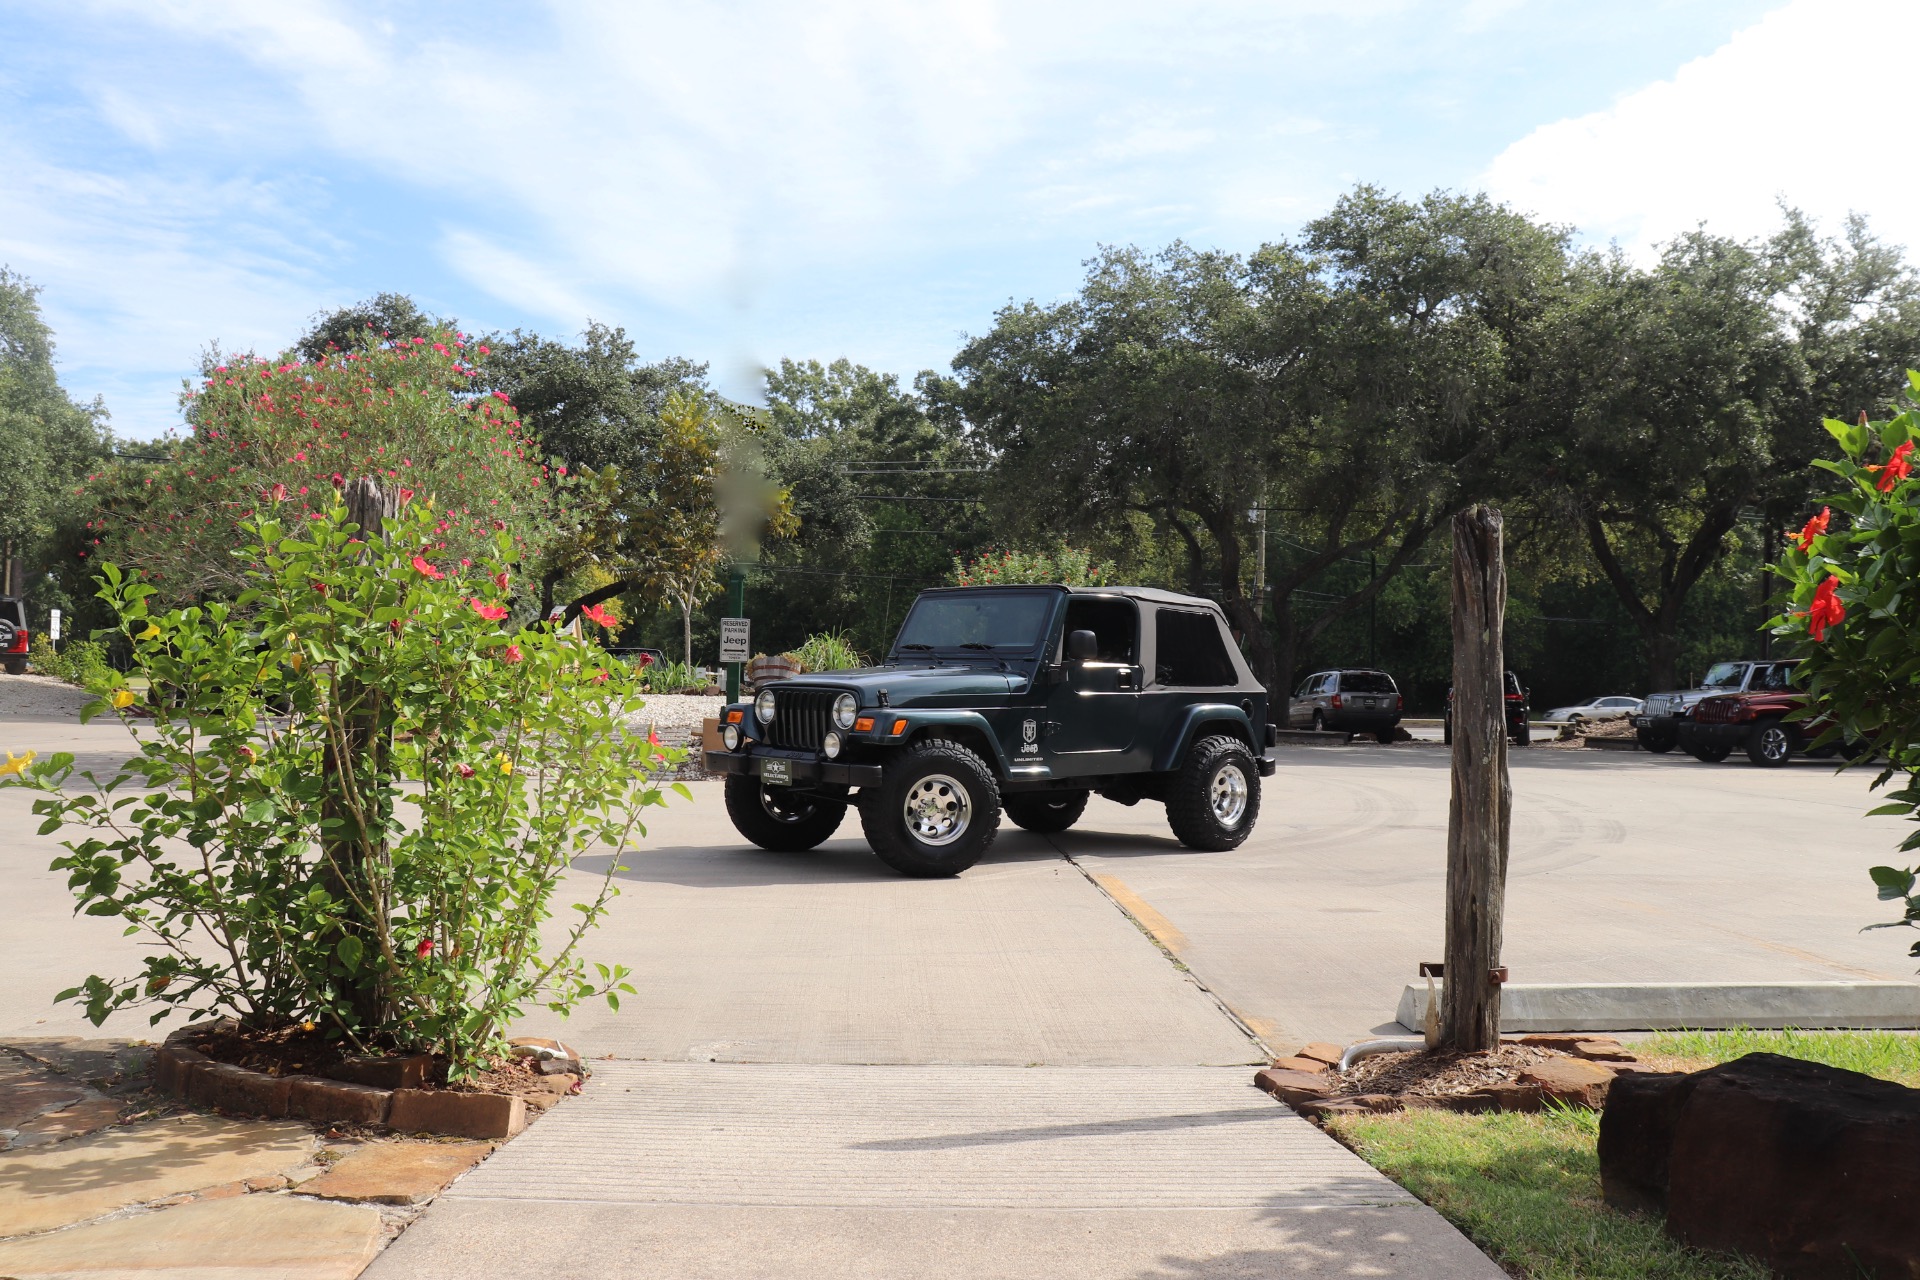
(920, 648)
(976, 644)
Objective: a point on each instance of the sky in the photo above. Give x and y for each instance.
(746, 181)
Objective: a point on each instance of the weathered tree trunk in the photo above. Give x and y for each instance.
(357, 846)
(1482, 804)
(686, 626)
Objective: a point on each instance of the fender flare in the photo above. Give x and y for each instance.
(920, 722)
(1175, 746)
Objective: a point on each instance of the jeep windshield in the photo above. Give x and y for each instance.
(976, 622)
(1725, 675)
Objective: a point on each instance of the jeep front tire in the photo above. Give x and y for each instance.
(780, 818)
(1771, 743)
(1214, 799)
(1047, 810)
(935, 812)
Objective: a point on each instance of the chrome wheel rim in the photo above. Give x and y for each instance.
(1773, 744)
(792, 811)
(938, 810)
(1228, 794)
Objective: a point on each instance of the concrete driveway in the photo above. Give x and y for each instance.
(1042, 1067)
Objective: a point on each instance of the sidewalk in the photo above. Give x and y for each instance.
(734, 1171)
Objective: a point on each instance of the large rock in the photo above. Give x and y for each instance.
(254, 1237)
(396, 1172)
(1813, 1170)
(1570, 1080)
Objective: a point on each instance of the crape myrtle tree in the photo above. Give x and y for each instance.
(53, 442)
(282, 436)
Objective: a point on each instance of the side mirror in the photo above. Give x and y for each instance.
(1082, 646)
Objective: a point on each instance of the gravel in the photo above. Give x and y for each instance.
(32, 697)
(676, 716)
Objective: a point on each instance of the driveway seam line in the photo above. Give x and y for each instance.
(1181, 966)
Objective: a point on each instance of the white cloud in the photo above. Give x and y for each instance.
(1806, 106)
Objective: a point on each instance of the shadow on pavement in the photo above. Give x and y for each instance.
(746, 866)
(1090, 1129)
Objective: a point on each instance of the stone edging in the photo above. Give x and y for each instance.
(183, 1072)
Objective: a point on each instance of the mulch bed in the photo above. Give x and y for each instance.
(1438, 1075)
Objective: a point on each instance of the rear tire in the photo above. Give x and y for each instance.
(1524, 737)
(1771, 744)
(1045, 811)
(1385, 737)
(1214, 800)
(16, 666)
(935, 812)
(1319, 723)
(780, 819)
(1658, 743)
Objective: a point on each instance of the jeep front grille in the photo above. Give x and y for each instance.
(801, 717)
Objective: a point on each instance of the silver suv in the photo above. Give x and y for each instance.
(1658, 727)
(1355, 701)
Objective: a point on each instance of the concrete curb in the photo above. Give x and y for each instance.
(1636, 1006)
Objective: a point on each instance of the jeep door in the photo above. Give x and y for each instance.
(1091, 712)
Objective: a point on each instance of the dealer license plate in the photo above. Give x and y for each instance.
(776, 773)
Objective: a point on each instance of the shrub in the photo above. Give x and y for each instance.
(77, 661)
(673, 677)
(828, 651)
(347, 686)
(1016, 568)
(1856, 617)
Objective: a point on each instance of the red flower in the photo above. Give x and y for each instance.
(321, 587)
(1826, 609)
(464, 770)
(491, 612)
(500, 580)
(422, 567)
(425, 948)
(513, 653)
(599, 614)
(1815, 527)
(1898, 467)
(646, 659)
(279, 493)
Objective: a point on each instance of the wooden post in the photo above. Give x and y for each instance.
(1482, 794)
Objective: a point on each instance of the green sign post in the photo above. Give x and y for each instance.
(736, 608)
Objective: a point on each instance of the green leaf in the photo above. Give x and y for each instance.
(350, 952)
(1892, 882)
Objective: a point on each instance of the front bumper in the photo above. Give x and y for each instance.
(805, 767)
(1660, 724)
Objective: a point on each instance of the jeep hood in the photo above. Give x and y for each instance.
(916, 685)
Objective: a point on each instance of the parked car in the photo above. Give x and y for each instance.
(13, 635)
(1756, 721)
(1614, 707)
(1022, 701)
(1519, 723)
(1348, 701)
(1658, 726)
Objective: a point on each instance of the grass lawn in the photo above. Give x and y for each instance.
(1526, 1188)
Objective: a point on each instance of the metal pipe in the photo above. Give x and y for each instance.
(1368, 1048)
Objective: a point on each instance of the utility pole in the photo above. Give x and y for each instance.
(1482, 805)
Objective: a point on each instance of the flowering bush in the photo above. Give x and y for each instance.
(278, 437)
(1013, 568)
(357, 795)
(1856, 615)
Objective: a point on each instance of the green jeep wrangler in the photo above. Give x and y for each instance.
(1022, 700)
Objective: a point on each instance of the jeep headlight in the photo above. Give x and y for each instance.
(763, 706)
(731, 736)
(831, 745)
(845, 707)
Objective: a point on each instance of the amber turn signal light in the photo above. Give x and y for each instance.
(899, 727)
(863, 725)
(733, 717)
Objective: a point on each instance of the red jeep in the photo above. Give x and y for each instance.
(1755, 722)
(13, 635)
